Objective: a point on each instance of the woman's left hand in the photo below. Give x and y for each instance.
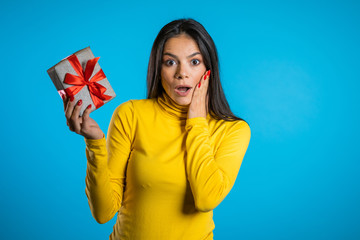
(199, 103)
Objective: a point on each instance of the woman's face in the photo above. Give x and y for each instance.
(182, 68)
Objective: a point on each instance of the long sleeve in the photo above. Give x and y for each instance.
(212, 174)
(106, 165)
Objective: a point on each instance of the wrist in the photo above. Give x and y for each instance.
(196, 114)
(96, 136)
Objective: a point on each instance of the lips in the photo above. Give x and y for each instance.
(182, 90)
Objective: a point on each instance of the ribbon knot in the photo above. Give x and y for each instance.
(82, 78)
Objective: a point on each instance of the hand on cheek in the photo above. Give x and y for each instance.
(198, 105)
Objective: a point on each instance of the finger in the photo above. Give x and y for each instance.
(69, 107)
(65, 100)
(75, 119)
(68, 124)
(203, 78)
(203, 85)
(207, 75)
(207, 104)
(86, 114)
(206, 84)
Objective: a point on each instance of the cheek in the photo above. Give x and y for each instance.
(164, 76)
(165, 83)
(198, 77)
(200, 71)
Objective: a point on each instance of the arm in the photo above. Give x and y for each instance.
(106, 166)
(212, 175)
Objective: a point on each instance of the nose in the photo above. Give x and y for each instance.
(181, 72)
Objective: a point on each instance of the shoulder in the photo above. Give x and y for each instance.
(239, 131)
(124, 108)
(238, 128)
(142, 103)
(239, 125)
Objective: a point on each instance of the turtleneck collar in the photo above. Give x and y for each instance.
(171, 108)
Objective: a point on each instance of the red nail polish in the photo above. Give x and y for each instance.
(89, 106)
(79, 102)
(209, 73)
(72, 98)
(199, 84)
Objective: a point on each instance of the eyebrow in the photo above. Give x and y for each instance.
(174, 56)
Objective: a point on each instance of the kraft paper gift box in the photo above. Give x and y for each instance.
(80, 76)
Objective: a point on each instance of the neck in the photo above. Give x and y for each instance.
(172, 108)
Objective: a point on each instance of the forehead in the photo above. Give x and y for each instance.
(181, 45)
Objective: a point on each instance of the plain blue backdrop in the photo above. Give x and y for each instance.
(290, 68)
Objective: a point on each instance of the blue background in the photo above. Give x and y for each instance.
(290, 68)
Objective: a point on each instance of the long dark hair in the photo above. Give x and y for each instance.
(218, 106)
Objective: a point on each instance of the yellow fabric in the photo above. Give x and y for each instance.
(163, 173)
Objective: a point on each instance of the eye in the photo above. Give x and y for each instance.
(169, 62)
(195, 62)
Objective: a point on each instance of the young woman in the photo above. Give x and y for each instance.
(170, 159)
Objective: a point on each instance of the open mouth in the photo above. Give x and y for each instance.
(183, 89)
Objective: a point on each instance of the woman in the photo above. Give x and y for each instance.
(170, 159)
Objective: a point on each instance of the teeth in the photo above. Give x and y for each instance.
(182, 89)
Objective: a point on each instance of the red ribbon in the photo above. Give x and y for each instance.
(96, 90)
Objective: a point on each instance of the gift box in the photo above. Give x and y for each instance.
(80, 76)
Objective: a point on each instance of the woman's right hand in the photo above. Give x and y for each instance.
(84, 125)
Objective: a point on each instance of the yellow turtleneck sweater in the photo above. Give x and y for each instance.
(163, 173)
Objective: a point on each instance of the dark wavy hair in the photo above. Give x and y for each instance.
(218, 106)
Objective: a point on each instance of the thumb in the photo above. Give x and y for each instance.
(86, 114)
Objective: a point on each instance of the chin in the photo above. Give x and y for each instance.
(182, 101)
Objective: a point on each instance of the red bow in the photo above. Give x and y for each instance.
(96, 90)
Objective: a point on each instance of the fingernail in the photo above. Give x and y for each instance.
(72, 98)
(208, 73)
(79, 102)
(89, 106)
(62, 96)
(199, 84)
